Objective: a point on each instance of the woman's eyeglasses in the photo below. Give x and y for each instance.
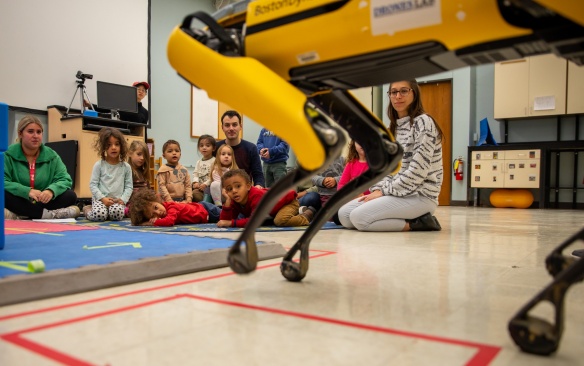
(403, 92)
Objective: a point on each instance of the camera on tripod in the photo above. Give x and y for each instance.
(82, 76)
(82, 93)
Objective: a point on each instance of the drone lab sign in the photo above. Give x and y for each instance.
(398, 15)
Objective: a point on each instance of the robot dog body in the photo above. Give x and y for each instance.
(289, 65)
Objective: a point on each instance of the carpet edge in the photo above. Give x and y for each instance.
(25, 288)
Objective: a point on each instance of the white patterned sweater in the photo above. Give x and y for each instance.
(421, 169)
(203, 170)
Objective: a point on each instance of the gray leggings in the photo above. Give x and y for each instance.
(386, 213)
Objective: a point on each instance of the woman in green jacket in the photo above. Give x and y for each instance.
(36, 182)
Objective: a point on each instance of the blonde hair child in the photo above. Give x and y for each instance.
(139, 160)
(224, 161)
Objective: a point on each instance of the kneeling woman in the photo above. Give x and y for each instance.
(406, 200)
(36, 182)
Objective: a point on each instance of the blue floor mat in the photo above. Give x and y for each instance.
(73, 249)
(126, 225)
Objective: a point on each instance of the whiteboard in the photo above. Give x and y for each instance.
(45, 43)
(204, 114)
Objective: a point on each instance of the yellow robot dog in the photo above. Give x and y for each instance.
(288, 65)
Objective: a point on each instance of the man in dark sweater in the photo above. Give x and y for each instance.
(246, 153)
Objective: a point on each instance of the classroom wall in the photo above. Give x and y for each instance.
(45, 43)
(170, 96)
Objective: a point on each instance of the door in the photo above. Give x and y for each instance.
(437, 100)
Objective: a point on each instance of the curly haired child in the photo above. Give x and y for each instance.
(148, 209)
(111, 179)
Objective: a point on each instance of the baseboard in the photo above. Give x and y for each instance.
(459, 203)
(566, 205)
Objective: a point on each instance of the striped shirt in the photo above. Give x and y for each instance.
(421, 169)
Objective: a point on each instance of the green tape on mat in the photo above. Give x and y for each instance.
(33, 266)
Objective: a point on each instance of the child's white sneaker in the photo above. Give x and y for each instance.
(70, 212)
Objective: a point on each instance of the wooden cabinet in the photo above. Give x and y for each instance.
(530, 87)
(61, 129)
(575, 102)
(151, 162)
(505, 169)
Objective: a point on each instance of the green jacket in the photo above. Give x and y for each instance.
(50, 172)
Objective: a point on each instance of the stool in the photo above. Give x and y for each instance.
(515, 198)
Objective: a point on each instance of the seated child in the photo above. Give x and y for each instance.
(203, 168)
(111, 178)
(148, 209)
(174, 181)
(242, 200)
(138, 158)
(224, 161)
(326, 185)
(356, 165)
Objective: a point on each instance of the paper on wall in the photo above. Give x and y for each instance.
(545, 103)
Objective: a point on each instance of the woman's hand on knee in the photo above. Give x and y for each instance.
(371, 196)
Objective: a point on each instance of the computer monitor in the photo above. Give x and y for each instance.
(117, 98)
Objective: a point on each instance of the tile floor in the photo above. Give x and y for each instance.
(439, 298)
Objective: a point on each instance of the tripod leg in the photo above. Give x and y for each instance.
(82, 108)
(72, 99)
(89, 100)
(536, 335)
